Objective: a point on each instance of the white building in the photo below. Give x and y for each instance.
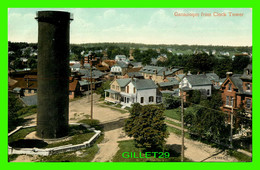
(197, 82)
(120, 58)
(129, 91)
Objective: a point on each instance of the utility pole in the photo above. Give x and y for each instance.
(91, 88)
(182, 127)
(231, 125)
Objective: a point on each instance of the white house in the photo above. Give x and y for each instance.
(120, 58)
(197, 82)
(131, 90)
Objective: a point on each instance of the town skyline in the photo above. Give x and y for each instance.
(144, 26)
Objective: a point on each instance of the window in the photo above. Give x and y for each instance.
(127, 100)
(227, 100)
(208, 92)
(231, 101)
(142, 99)
(248, 103)
(113, 86)
(229, 86)
(127, 89)
(134, 89)
(70, 93)
(151, 99)
(117, 87)
(248, 86)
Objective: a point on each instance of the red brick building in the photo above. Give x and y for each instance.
(237, 91)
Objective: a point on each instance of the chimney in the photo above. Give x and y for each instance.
(229, 74)
(163, 74)
(198, 73)
(82, 63)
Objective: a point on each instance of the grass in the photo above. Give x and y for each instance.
(84, 155)
(113, 108)
(173, 123)
(129, 146)
(20, 134)
(27, 111)
(173, 113)
(240, 156)
(78, 135)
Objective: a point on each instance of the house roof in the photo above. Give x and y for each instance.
(237, 82)
(110, 62)
(160, 70)
(134, 74)
(121, 64)
(198, 80)
(134, 69)
(95, 73)
(141, 84)
(29, 100)
(22, 83)
(123, 82)
(166, 84)
(84, 82)
(247, 72)
(212, 76)
(152, 69)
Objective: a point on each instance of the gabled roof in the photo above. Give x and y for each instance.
(247, 72)
(135, 69)
(212, 76)
(198, 80)
(121, 64)
(152, 69)
(141, 84)
(123, 82)
(134, 74)
(237, 82)
(110, 62)
(29, 100)
(95, 73)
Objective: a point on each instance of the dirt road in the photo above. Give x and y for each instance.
(113, 122)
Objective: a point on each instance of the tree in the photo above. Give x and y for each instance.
(13, 107)
(146, 125)
(208, 124)
(223, 65)
(101, 89)
(171, 102)
(201, 62)
(239, 63)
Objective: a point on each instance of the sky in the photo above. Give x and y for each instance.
(143, 25)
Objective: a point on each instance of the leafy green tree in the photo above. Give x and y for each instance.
(195, 96)
(207, 124)
(239, 63)
(171, 102)
(146, 125)
(201, 62)
(13, 107)
(100, 90)
(223, 65)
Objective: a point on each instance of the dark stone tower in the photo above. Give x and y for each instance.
(53, 74)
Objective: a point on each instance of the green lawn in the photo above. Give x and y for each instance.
(173, 123)
(173, 113)
(83, 155)
(20, 134)
(240, 156)
(129, 147)
(27, 111)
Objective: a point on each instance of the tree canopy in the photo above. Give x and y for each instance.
(146, 125)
